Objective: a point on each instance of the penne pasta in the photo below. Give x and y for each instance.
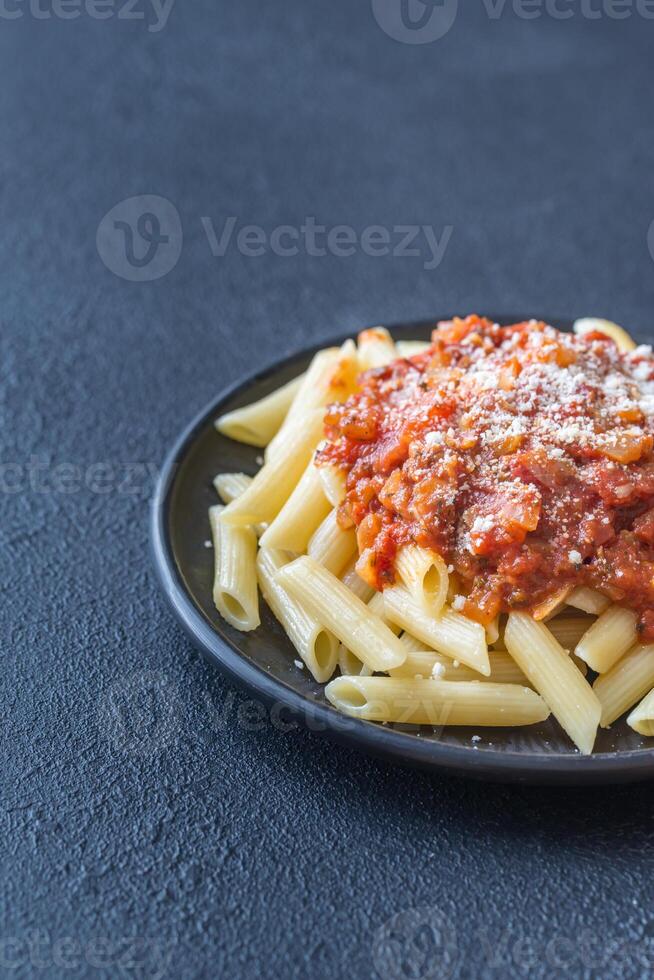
(331, 546)
(350, 665)
(422, 662)
(450, 633)
(641, 718)
(316, 646)
(588, 600)
(303, 512)
(276, 480)
(333, 484)
(235, 582)
(430, 702)
(493, 632)
(340, 611)
(610, 636)
(353, 581)
(425, 575)
(553, 674)
(626, 683)
(377, 606)
(376, 348)
(256, 424)
(411, 644)
(229, 486)
(331, 377)
(504, 669)
(425, 663)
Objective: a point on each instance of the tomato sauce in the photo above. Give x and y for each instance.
(523, 455)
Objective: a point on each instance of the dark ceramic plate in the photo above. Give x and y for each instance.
(263, 661)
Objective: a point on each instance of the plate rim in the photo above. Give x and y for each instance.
(321, 718)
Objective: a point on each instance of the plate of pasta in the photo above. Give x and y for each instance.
(434, 542)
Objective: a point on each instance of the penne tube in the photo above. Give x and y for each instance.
(610, 636)
(316, 646)
(430, 702)
(427, 664)
(331, 546)
(355, 583)
(588, 600)
(235, 581)
(452, 669)
(315, 379)
(552, 673)
(333, 483)
(377, 606)
(504, 669)
(341, 612)
(302, 513)
(411, 644)
(276, 480)
(334, 382)
(450, 633)
(376, 348)
(351, 666)
(425, 575)
(612, 330)
(407, 348)
(579, 664)
(229, 486)
(256, 424)
(626, 683)
(348, 663)
(641, 718)
(422, 663)
(331, 377)
(493, 631)
(568, 630)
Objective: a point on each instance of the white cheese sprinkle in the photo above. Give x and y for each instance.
(434, 439)
(481, 525)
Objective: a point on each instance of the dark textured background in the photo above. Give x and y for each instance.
(153, 828)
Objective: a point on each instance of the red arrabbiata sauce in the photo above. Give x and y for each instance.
(521, 454)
